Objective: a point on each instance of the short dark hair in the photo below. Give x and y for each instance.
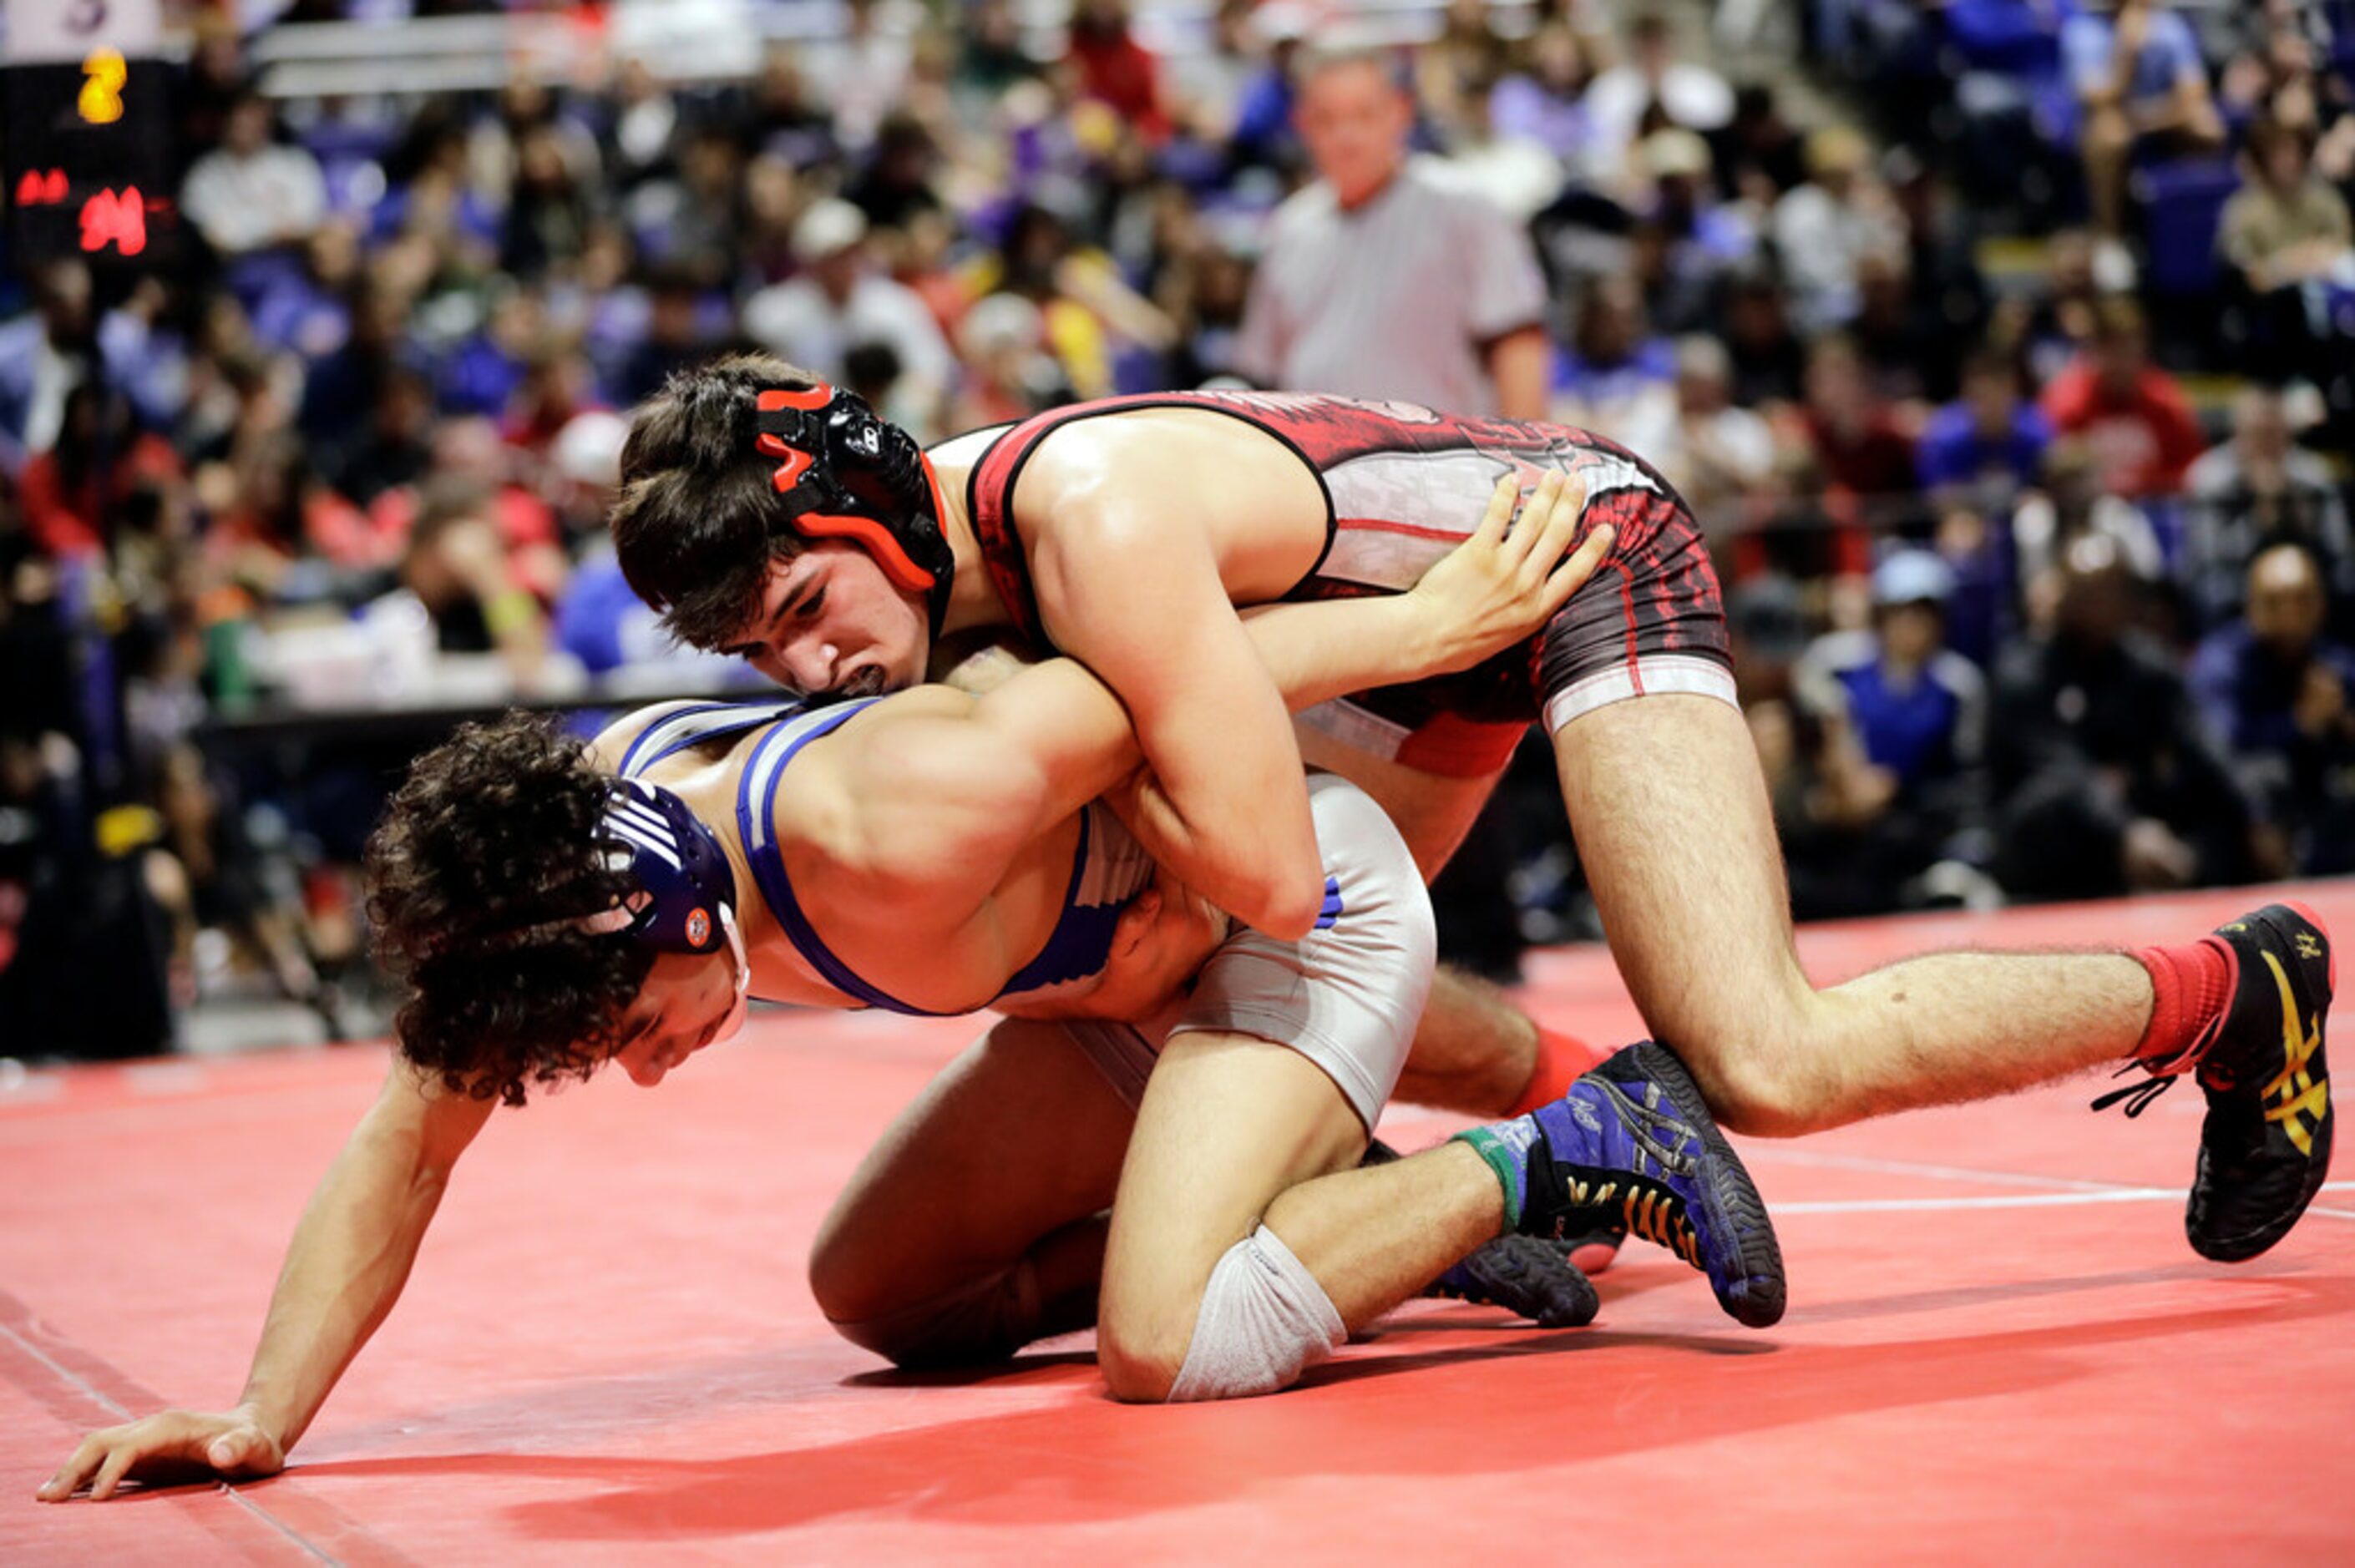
(485, 859)
(696, 523)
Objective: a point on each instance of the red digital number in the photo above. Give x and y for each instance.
(42, 189)
(116, 219)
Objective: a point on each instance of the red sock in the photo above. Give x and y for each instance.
(1562, 1059)
(2191, 982)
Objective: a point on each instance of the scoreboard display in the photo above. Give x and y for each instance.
(88, 169)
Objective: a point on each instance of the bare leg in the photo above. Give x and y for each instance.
(1473, 1052)
(1372, 1236)
(1672, 821)
(974, 1224)
(1228, 1121)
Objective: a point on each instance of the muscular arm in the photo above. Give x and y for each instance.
(1138, 596)
(1521, 364)
(354, 1245)
(349, 1257)
(938, 785)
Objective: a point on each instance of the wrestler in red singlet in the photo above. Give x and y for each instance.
(1403, 486)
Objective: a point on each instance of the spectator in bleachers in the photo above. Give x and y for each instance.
(1687, 243)
(640, 135)
(1949, 290)
(1543, 99)
(1614, 377)
(1909, 354)
(862, 73)
(1822, 228)
(1716, 452)
(1864, 450)
(842, 299)
(678, 331)
(2254, 488)
(1683, 92)
(1518, 175)
(2284, 232)
(2106, 781)
(1114, 69)
(2277, 691)
(1770, 363)
(1008, 372)
(551, 205)
(2071, 503)
(396, 447)
(70, 491)
(1380, 280)
(1794, 531)
(1758, 147)
(2142, 88)
(1453, 72)
(44, 354)
(457, 567)
(784, 119)
(1207, 90)
(1093, 317)
(2051, 327)
(309, 312)
(896, 186)
(2276, 73)
(1918, 713)
(143, 351)
(1984, 448)
(253, 193)
(1827, 797)
(2132, 414)
(269, 513)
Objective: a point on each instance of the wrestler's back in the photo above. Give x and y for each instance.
(1298, 492)
(941, 956)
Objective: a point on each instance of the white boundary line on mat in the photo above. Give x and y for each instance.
(1753, 1154)
(2018, 1201)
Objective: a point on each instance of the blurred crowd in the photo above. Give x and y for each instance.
(2001, 345)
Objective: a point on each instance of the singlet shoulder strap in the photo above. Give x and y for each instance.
(694, 723)
(756, 796)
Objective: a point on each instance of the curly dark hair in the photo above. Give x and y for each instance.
(485, 857)
(695, 525)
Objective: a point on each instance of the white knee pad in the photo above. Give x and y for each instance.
(1265, 1318)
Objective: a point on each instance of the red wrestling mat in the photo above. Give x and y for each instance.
(1999, 1344)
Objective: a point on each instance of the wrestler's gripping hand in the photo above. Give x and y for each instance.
(1506, 581)
(174, 1446)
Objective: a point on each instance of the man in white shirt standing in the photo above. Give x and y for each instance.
(1384, 279)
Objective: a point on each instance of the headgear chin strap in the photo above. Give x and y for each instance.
(844, 473)
(686, 897)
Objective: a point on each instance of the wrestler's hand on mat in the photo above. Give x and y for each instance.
(1506, 581)
(168, 1448)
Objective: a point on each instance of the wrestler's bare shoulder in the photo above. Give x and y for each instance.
(1262, 505)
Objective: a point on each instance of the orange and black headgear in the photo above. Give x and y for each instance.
(844, 474)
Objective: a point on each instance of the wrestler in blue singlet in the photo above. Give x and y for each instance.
(1109, 869)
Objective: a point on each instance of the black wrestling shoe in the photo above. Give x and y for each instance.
(1527, 1276)
(2264, 1148)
